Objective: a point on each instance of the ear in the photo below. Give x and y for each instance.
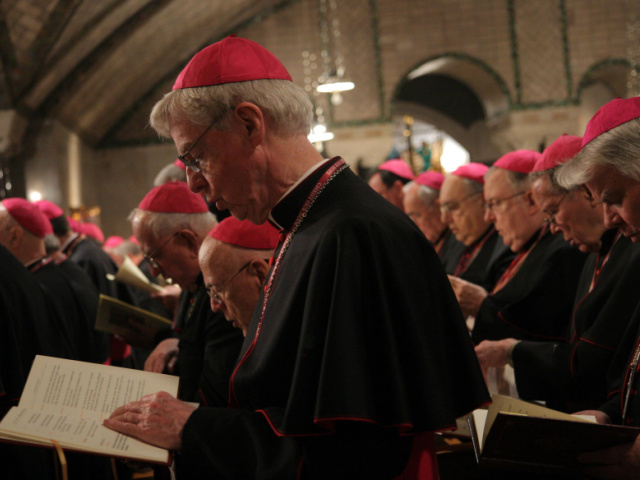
(15, 235)
(259, 269)
(190, 240)
(530, 202)
(252, 120)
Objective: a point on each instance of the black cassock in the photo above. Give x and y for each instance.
(488, 258)
(537, 301)
(571, 376)
(361, 341)
(25, 331)
(208, 349)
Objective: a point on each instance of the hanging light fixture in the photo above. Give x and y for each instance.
(319, 131)
(333, 80)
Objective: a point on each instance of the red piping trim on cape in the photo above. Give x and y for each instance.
(528, 332)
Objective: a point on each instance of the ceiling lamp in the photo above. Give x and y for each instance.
(319, 133)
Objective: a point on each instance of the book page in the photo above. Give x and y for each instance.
(480, 420)
(514, 406)
(77, 433)
(88, 390)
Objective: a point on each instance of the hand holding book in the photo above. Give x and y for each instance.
(157, 419)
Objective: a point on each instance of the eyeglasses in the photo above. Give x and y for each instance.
(494, 203)
(454, 205)
(149, 257)
(550, 219)
(195, 163)
(214, 293)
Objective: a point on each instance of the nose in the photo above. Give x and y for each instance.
(554, 229)
(196, 181)
(154, 271)
(217, 307)
(489, 216)
(611, 216)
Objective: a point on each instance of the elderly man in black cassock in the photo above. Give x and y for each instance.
(353, 358)
(534, 296)
(571, 375)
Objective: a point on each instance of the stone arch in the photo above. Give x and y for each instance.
(603, 81)
(458, 94)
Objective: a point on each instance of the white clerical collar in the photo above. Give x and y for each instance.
(304, 176)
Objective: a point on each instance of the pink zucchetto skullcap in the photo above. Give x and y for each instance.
(399, 167)
(430, 179)
(243, 233)
(74, 225)
(50, 209)
(173, 197)
(92, 230)
(179, 164)
(564, 148)
(231, 60)
(28, 216)
(611, 115)
(472, 171)
(521, 161)
(113, 241)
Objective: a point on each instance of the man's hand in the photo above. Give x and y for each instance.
(157, 419)
(621, 462)
(494, 353)
(163, 356)
(168, 297)
(469, 295)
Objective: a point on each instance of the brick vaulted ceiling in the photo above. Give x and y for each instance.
(98, 65)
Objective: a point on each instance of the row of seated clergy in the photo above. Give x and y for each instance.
(67, 328)
(570, 374)
(96, 263)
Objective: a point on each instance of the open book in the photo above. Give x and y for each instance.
(114, 315)
(66, 401)
(130, 274)
(516, 434)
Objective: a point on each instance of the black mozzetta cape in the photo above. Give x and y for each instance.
(571, 375)
(537, 302)
(362, 340)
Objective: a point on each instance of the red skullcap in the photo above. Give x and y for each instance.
(173, 197)
(521, 161)
(399, 167)
(611, 115)
(113, 241)
(92, 230)
(231, 60)
(472, 171)
(564, 148)
(243, 233)
(178, 163)
(75, 225)
(50, 209)
(430, 179)
(28, 216)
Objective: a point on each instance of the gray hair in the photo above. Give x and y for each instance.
(286, 106)
(551, 173)
(519, 181)
(618, 148)
(170, 173)
(428, 195)
(127, 247)
(163, 224)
